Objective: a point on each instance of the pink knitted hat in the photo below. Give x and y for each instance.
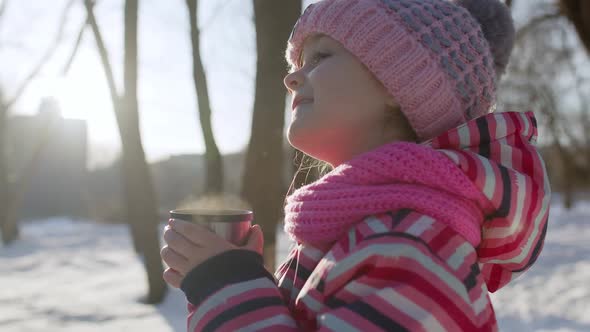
(431, 55)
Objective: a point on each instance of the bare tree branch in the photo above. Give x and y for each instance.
(562, 126)
(533, 23)
(44, 59)
(104, 56)
(76, 48)
(584, 120)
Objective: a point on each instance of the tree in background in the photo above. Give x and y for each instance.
(8, 226)
(213, 159)
(262, 185)
(12, 191)
(544, 76)
(140, 198)
(578, 12)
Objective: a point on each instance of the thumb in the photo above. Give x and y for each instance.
(255, 240)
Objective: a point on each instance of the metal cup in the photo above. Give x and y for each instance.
(231, 225)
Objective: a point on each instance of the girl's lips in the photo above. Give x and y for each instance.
(300, 100)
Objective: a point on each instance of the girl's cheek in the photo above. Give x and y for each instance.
(329, 72)
(323, 66)
(318, 79)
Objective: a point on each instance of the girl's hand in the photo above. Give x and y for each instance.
(189, 245)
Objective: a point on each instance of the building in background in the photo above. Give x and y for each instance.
(56, 148)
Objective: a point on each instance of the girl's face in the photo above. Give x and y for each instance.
(340, 108)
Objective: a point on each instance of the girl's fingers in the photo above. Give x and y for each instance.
(179, 243)
(198, 234)
(173, 277)
(255, 240)
(174, 259)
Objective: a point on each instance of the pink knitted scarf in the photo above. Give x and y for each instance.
(391, 177)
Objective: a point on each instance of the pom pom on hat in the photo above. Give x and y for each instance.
(497, 25)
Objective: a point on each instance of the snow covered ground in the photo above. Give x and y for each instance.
(81, 276)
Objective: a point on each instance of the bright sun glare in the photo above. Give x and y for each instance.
(84, 96)
(81, 99)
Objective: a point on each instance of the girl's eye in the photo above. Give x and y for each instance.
(317, 57)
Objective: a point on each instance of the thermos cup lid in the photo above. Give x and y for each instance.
(223, 215)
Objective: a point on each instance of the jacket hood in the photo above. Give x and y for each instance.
(497, 153)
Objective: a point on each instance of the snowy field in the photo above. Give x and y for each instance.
(81, 276)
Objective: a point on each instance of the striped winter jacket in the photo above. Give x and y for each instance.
(400, 270)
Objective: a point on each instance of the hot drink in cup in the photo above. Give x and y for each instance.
(231, 225)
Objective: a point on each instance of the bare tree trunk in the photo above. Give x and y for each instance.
(214, 162)
(140, 198)
(143, 210)
(8, 226)
(262, 184)
(128, 119)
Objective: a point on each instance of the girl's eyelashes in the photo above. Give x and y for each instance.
(315, 58)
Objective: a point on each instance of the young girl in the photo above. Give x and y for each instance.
(433, 202)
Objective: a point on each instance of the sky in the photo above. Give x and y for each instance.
(168, 112)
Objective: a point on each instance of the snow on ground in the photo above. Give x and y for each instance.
(81, 276)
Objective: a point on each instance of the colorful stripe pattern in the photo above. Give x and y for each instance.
(497, 153)
(401, 270)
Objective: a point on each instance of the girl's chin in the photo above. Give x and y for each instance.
(295, 136)
(292, 138)
(306, 146)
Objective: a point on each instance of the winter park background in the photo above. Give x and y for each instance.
(68, 258)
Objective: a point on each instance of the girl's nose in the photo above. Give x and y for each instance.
(293, 80)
